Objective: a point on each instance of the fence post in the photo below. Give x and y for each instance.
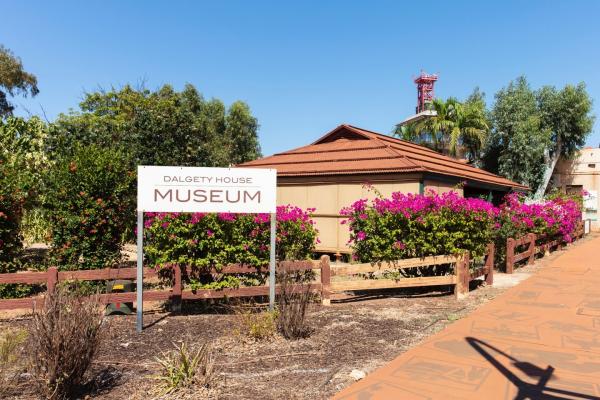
(544, 247)
(462, 277)
(177, 289)
(510, 255)
(489, 276)
(325, 280)
(532, 238)
(52, 279)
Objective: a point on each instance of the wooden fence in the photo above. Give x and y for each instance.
(324, 286)
(536, 244)
(463, 274)
(176, 293)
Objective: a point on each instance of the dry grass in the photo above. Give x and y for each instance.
(11, 341)
(182, 368)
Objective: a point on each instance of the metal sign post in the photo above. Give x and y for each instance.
(207, 190)
(140, 271)
(272, 263)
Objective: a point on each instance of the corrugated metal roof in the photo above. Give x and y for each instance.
(351, 150)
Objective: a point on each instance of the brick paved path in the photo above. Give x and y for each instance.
(538, 340)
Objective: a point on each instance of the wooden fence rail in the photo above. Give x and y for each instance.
(536, 244)
(176, 293)
(461, 278)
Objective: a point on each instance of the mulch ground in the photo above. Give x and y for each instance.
(354, 333)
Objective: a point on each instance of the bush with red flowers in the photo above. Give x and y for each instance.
(90, 202)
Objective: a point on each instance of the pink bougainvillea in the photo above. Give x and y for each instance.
(414, 225)
(202, 241)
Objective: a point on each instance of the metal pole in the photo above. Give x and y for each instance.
(272, 264)
(140, 271)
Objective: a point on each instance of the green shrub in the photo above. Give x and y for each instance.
(89, 203)
(412, 225)
(11, 211)
(205, 241)
(12, 199)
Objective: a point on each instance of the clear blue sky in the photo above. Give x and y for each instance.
(303, 67)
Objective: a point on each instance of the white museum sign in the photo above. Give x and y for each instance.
(198, 189)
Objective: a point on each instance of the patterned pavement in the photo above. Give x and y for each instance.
(538, 340)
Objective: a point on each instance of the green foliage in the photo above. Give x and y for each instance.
(162, 127)
(205, 241)
(566, 113)
(182, 368)
(35, 226)
(455, 125)
(13, 80)
(531, 129)
(89, 202)
(240, 131)
(22, 162)
(518, 140)
(12, 199)
(408, 226)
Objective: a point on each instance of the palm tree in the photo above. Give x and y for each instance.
(454, 127)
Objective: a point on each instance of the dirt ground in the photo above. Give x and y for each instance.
(360, 332)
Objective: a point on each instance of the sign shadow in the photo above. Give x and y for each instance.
(526, 390)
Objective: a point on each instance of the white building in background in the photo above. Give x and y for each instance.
(582, 173)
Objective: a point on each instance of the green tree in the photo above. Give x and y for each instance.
(516, 145)
(567, 115)
(240, 132)
(162, 127)
(13, 80)
(476, 123)
(455, 128)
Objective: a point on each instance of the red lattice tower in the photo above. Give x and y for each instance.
(425, 94)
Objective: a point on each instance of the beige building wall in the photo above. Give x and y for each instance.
(582, 172)
(442, 187)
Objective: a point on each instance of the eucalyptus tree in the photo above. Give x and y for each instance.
(567, 115)
(517, 142)
(13, 80)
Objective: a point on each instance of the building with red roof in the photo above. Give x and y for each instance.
(331, 173)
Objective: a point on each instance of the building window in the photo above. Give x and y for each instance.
(591, 165)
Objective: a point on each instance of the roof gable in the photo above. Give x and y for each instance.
(342, 133)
